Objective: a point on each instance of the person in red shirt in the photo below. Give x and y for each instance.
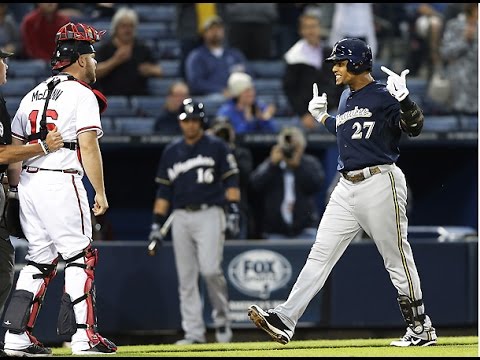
(38, 29)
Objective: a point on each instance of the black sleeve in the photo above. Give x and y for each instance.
(411, 117)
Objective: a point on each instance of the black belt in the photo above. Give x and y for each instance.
(70, 145)
(360, 177)
(34, 169)
(195, 207)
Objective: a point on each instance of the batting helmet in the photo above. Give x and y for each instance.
(73, 40)
(193, 110)
(356, 51)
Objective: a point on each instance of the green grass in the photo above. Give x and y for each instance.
(461, 346)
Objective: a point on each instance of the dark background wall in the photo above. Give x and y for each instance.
(443, 179)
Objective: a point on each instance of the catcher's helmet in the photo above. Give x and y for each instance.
(193, 110)
(356, 51)
(73, 40)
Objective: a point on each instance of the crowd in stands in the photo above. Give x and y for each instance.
(252, 64)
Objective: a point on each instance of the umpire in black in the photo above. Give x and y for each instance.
(10, 154)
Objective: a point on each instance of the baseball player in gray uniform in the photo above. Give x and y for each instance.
(198, 178)
(371, 194)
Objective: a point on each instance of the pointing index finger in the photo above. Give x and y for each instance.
(315, 90)
(387, 70)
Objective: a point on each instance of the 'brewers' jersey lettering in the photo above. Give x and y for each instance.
(352, 114)
(196, 174)
(373, 137)
(183, 167)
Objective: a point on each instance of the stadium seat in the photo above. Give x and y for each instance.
(147, 105)
(155, 12)
(212, 104)
(18, 86)
(135, 125)
(159, 86)
(268, 86)
(283, 106)
(28, 68)
(441, 123)
(268, 68)
(12, 103)
(108, 126)
(167, 49)
(118, 105)
(154, 30)
(171, 68)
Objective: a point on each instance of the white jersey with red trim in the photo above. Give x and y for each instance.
(71, 119)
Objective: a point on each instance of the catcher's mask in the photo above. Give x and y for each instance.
(193, 110)
(73, 40)
(356, 51)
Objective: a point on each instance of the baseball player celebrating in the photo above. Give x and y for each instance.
(54, 208)
(198, 175)
(371, 194)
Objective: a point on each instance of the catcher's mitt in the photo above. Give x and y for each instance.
(12, 214)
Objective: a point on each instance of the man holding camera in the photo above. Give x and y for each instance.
(288, 181)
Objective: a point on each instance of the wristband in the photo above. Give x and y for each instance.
(44, 146)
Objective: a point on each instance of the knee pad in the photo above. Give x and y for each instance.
(410, 313)
(24, 306)
(18, 311)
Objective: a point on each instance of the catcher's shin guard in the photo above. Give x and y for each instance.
(23, 309)
(86, 260)
(410, 312)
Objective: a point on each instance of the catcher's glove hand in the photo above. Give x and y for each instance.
(12, 213)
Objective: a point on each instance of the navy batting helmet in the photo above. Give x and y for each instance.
(193, 110)
(356, 51)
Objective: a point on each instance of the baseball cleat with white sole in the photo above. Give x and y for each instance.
(411, 339)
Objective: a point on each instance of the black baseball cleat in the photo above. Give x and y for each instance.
(34, 350)
(269, 322)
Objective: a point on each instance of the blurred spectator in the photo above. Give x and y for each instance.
(459, 49)
(167, 121)
(305, 66)
(9, 37)
(250, 28)
(75, 11)
(354, 20)
(38, 30)
(103, 11)
(425, 31)
(223, 129)
(288, 181)
(246, 113)
(209, 65)
(20, 10)
(125, 62)
(286, 27)
(189, 19)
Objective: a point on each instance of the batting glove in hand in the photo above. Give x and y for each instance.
(233, 220)
(396, 85)
(318, 105)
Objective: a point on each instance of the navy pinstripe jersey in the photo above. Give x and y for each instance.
(196, 174)
(367, 127)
